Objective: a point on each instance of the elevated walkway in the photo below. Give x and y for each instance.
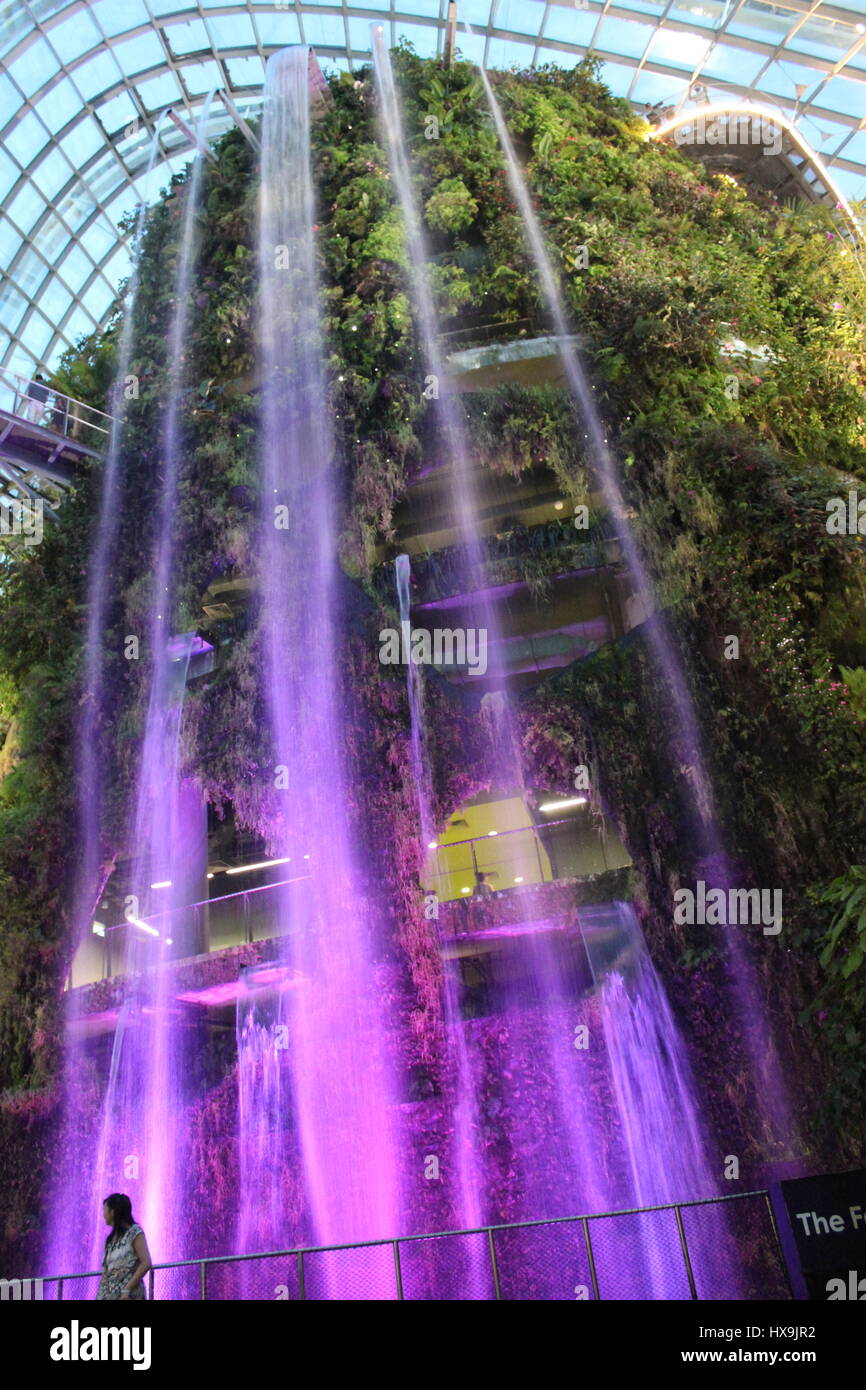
(46, 436)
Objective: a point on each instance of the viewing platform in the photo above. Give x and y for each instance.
(44, 435)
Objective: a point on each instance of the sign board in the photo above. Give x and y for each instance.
(822, 1225)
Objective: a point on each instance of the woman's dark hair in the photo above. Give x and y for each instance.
(121, 1215)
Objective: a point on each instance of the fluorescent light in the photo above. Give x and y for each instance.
(563, 805)
(137, 922)
(166, 883)
(263, 864)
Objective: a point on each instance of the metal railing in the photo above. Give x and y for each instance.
(36, 403)
(669, 1251)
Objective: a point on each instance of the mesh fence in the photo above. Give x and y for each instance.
(732, 1247)
(181, 1282)
(367, 1272)
(80, 1288)
(448, 1268)
(638, 1255)
(543, 1262)
(754, 1262)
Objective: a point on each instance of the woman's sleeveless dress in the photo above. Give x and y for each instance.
(118, 1265)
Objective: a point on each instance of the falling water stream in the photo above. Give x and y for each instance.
(143, 1114)
(687, 754)
(557, 1143)
(71, 1236)
(341, 1073)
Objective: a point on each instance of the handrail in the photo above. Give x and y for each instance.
(431, 1235)
(38, 403)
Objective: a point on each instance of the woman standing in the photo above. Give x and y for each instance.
(127, 1258)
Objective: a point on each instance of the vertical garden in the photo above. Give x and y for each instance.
(727, 470)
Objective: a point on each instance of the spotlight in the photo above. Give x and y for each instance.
(558, 506)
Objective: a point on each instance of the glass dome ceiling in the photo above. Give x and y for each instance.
(82, 86)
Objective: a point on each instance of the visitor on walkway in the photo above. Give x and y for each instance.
(127, 1258)
(37, 395)
(482, 888)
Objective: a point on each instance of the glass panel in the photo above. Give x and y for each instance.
(160, 7)
(158, 92)
(54, 300)
(232, 31)
(572, 26)
(52, 173)
(202, 77)
(26, 207)
(34, 67)
(821, 41)
(99, 299)
(51, 238)
(427, 9)
(506, 53)
(142, 52)
(841, 94)
(190, 37)
(781, 81)
(12, 303)
(684, 51)
(8, 174)
(655, 86)
(765, 22)
(75, 267)
(96, 75)
(39, 333)
(59, 106)
(118, 266)
(117, 112)
(26, 139)
(517, 16)
(477, 12)
(424, 40)
(117, 19)
(279, 28)
(704, 15)
(31, 271)
(245, 72)
(83, 140)
(76, 35)
(620, 36)
(97, 240)
(325, 29)
(733, 65)
(10, 99)
(77, 325)
(617, 77)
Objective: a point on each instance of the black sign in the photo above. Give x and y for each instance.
(826, 1219)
